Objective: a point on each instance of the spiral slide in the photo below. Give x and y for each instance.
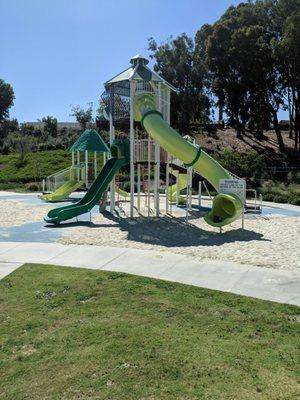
(226, 207)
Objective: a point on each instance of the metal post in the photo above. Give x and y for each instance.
(112, 184)
(132, 87)
(177, 188)
(43, 186)
(187, 201)
(73, 159)
(149, 173)
(167, 184)
(78, 169)
(168, 155)
(243, 218)
(139, 187)
(243, 214)
(86, 169)
(199, 193)
(190, 181)
(95, 164)
(157, 157)
(171, 197)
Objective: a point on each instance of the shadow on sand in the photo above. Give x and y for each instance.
(169, 231)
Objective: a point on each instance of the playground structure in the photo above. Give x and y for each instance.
(61, 184)
(139, 98)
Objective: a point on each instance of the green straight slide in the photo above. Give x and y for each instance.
(120, 157)
(226, 207)
(92, 197)
(63, 191)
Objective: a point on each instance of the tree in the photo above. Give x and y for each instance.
(6, 99)
(83, 117)
(175, 61)
(7, 126)
(234, 55)
(245, 74)
(286, 40)
(50, 125)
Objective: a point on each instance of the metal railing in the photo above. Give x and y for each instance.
(54, 181)
(144, 151)
(254, 203)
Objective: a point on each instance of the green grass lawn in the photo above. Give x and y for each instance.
(69, 333)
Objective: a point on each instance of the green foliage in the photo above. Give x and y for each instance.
(246, 165)
(69, 333)
(293, 177)
(176, 62)
(280, 192)
(36, 166)
(83, 117)
(246, 64)
(7, 126)
(50, 125)
(6, 99)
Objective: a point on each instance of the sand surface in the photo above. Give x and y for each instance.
(273, 242)
(15, 212)
(270, 242)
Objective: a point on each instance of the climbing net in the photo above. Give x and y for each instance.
(116, 98)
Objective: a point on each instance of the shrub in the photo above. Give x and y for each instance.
(293, 177)
(295, 200)
(33, 186)
(281, 198)
(281, 193)
(246, 165)
(126, 186)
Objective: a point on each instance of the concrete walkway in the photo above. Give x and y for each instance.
(262, 283)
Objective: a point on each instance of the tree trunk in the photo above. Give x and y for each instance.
(278, 132)
(103, 201)
(221, 121)
(297, 125)
(291, 113)
(238, 126)
(259, 130)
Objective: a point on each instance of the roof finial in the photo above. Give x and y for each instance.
(139, 59)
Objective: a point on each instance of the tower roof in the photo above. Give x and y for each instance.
(139, 71)
(139, 59)
(90, 140)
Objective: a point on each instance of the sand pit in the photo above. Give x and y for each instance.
(15, 212)
(272, 243)
(269, 242)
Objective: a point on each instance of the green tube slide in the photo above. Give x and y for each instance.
(226, 207)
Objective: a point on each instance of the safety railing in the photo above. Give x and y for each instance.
(253, 202)
(54, 181)
(145, 151)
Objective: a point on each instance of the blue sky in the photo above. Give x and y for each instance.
(56, 53)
